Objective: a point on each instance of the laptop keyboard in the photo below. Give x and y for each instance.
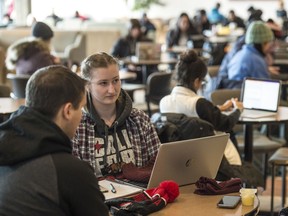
(256, 113)
(142, 185)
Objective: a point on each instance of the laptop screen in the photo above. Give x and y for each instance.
(261, 94)
(148, 51)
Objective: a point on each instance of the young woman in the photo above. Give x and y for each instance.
(190, 73)
(111, 132)
(183, 33)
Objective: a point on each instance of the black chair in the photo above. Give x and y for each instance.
(158, 85)
(18, 83)
(5, 91)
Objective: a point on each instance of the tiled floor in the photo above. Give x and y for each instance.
(265, 198)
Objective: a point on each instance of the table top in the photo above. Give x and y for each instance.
(10, 105)
(281, 116)
(126, 75)
(188, 202)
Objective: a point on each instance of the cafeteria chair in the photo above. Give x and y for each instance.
(280, 159)
(262, 143)
(18, 83)
(5, 91)
(158, 85)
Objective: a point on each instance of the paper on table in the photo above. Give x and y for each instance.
(122, 190)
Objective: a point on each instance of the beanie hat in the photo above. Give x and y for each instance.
(258, 32)
(42, 30)
(147, 202)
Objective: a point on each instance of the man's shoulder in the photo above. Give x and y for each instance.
(69, 164)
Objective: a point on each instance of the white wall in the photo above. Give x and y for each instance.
(110, 9)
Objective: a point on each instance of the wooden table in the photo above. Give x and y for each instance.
(280, 117)
(189, 203)
(8, 106)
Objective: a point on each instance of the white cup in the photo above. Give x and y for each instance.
(247, 196)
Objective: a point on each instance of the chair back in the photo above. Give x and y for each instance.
(18, 83)
(158, 85)
(220, 96)
(5, 91)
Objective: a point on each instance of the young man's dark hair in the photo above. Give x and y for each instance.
(44, 89)
(39, 175)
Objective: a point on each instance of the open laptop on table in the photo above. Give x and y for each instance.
(148, 51)
(186, 161)
(260, 97)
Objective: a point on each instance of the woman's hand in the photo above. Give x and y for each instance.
(237, 104)
(228, 104)
(232, 103)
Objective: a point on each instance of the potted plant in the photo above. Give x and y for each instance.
(145, 4)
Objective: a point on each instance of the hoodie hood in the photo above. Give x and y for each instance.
(124, 108)
(28, 134)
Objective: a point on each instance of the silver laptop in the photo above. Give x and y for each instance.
(260, 97)
(148, 51)
(186, 161)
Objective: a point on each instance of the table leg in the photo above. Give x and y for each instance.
(272, 191)
(248, 140)
(144, 73)
(283, 186)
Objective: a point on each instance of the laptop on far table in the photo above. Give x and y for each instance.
(260, 97)
(148, 51)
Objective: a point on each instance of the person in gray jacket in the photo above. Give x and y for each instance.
(39, 175)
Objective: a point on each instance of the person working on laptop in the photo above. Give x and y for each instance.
(190, 73)
(126, 47)
(111, 132)
(39, 176)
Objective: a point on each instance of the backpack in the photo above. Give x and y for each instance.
(173, 126)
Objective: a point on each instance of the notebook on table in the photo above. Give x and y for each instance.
(148, 51)
(186, 161)
(260, 97)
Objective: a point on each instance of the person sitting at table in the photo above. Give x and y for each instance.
(236, 20)
(112, 132)
(222, 80)
(27, 55)
(126, 47)
(215, 17)
(182, 33)
(201, 21)
(39, 176)
(147, 27)
(190, 73)
(251, 60)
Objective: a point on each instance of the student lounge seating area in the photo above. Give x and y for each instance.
(74, 40)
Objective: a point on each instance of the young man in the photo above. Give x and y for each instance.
(39, 175)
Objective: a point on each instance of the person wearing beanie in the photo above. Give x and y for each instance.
(251, 61)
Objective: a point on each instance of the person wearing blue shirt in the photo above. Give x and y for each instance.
(250, 60)
(215, 16)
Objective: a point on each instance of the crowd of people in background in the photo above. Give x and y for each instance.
(99, 124)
